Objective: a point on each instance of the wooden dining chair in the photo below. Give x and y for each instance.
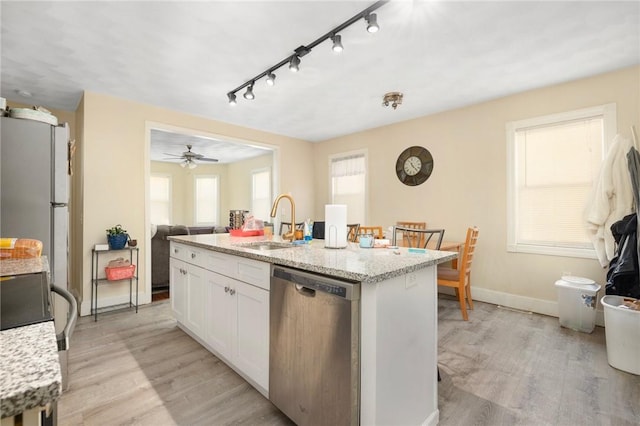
(299, 225)
(408, 235)
(352, 232)
(418, 238)
(460, 279)
(375, 230)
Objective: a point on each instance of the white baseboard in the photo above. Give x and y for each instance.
(523, 303)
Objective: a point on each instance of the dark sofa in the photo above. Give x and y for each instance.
(160, 250)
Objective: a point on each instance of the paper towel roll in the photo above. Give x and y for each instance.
(335, 227)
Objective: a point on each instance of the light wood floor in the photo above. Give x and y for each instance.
(500, 368)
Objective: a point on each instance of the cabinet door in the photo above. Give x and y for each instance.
(196, 293)
(178, 288)
(251, 349)
(218, 314)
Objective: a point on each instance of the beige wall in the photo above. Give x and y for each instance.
(468, 184)
(115, 158)
(234, 180)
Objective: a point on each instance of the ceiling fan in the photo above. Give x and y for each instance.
(190, 158)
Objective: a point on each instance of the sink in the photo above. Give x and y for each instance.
(266, 245)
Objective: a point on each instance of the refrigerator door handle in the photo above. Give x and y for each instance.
(54, 204)
(63, 338)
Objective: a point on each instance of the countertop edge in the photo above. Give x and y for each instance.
(273, 258)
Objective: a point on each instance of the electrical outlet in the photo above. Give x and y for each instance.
(411, 279)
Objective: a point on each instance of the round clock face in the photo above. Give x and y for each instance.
(414, 165)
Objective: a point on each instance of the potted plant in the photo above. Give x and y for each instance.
(117, 237)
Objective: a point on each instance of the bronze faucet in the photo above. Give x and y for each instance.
(291, 235)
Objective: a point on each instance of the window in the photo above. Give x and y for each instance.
(553, 162)
(160, 194)
(206, 199)
(261, 194)
(348, 184)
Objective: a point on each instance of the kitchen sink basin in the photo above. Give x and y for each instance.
(266, 245)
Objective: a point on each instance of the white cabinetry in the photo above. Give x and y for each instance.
(224, 300)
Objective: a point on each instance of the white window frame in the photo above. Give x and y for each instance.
(195, 199)
(360, 152)
(169, 177)
(270, 196)
(608, 113)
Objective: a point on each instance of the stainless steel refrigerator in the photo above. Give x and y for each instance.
(34, 192)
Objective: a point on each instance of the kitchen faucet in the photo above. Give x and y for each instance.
(291, 235)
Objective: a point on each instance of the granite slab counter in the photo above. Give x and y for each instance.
(366, 265)
(30, 374)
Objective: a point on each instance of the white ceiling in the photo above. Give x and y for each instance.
(186, 56)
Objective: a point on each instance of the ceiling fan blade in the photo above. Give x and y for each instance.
(214, 160)
(173, 155)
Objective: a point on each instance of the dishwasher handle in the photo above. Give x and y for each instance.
(315, 282)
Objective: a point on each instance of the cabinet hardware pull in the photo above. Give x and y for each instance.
(226, 289)
(193, 255)
(232, 292)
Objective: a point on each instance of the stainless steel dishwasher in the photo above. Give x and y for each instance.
(314, 359)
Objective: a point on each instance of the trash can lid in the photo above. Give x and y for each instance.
(578, 280)
(578, 283)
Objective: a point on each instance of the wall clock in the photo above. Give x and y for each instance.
(414, 165)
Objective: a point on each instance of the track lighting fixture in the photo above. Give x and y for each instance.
(294, 63)
(271, 79)
(372, 23)
(249, 93)
(294, 60)
(337, 43)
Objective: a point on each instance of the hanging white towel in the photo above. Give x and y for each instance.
(611, 199)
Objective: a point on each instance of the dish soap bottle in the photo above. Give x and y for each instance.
(308, 227)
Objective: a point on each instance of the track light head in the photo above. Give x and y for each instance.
(337, 43)
(232, 98)
(271, 79)
(249, 93)
(294, 63)
(372, 23)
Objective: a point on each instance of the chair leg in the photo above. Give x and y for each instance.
(463, 304)
(469, 299)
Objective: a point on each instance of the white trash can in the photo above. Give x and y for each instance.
(577, 299)
(622, 333)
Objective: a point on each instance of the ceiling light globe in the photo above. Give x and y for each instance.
(192, 165)
(183, 165)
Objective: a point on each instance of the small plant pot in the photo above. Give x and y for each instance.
(118, 241)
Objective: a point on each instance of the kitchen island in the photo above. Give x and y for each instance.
(30, 376)
(397, 318)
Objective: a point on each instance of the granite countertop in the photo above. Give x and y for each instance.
(370, 265)
(30, 374)
(23, 266)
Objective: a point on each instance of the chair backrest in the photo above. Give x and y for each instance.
(352, 232)
(375, 230)
(299, 225)
(468, 251)
(419, 238)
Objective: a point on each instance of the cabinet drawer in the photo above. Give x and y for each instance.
(253, 272)
(197, 256)
(248, 270)
(178, 251)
